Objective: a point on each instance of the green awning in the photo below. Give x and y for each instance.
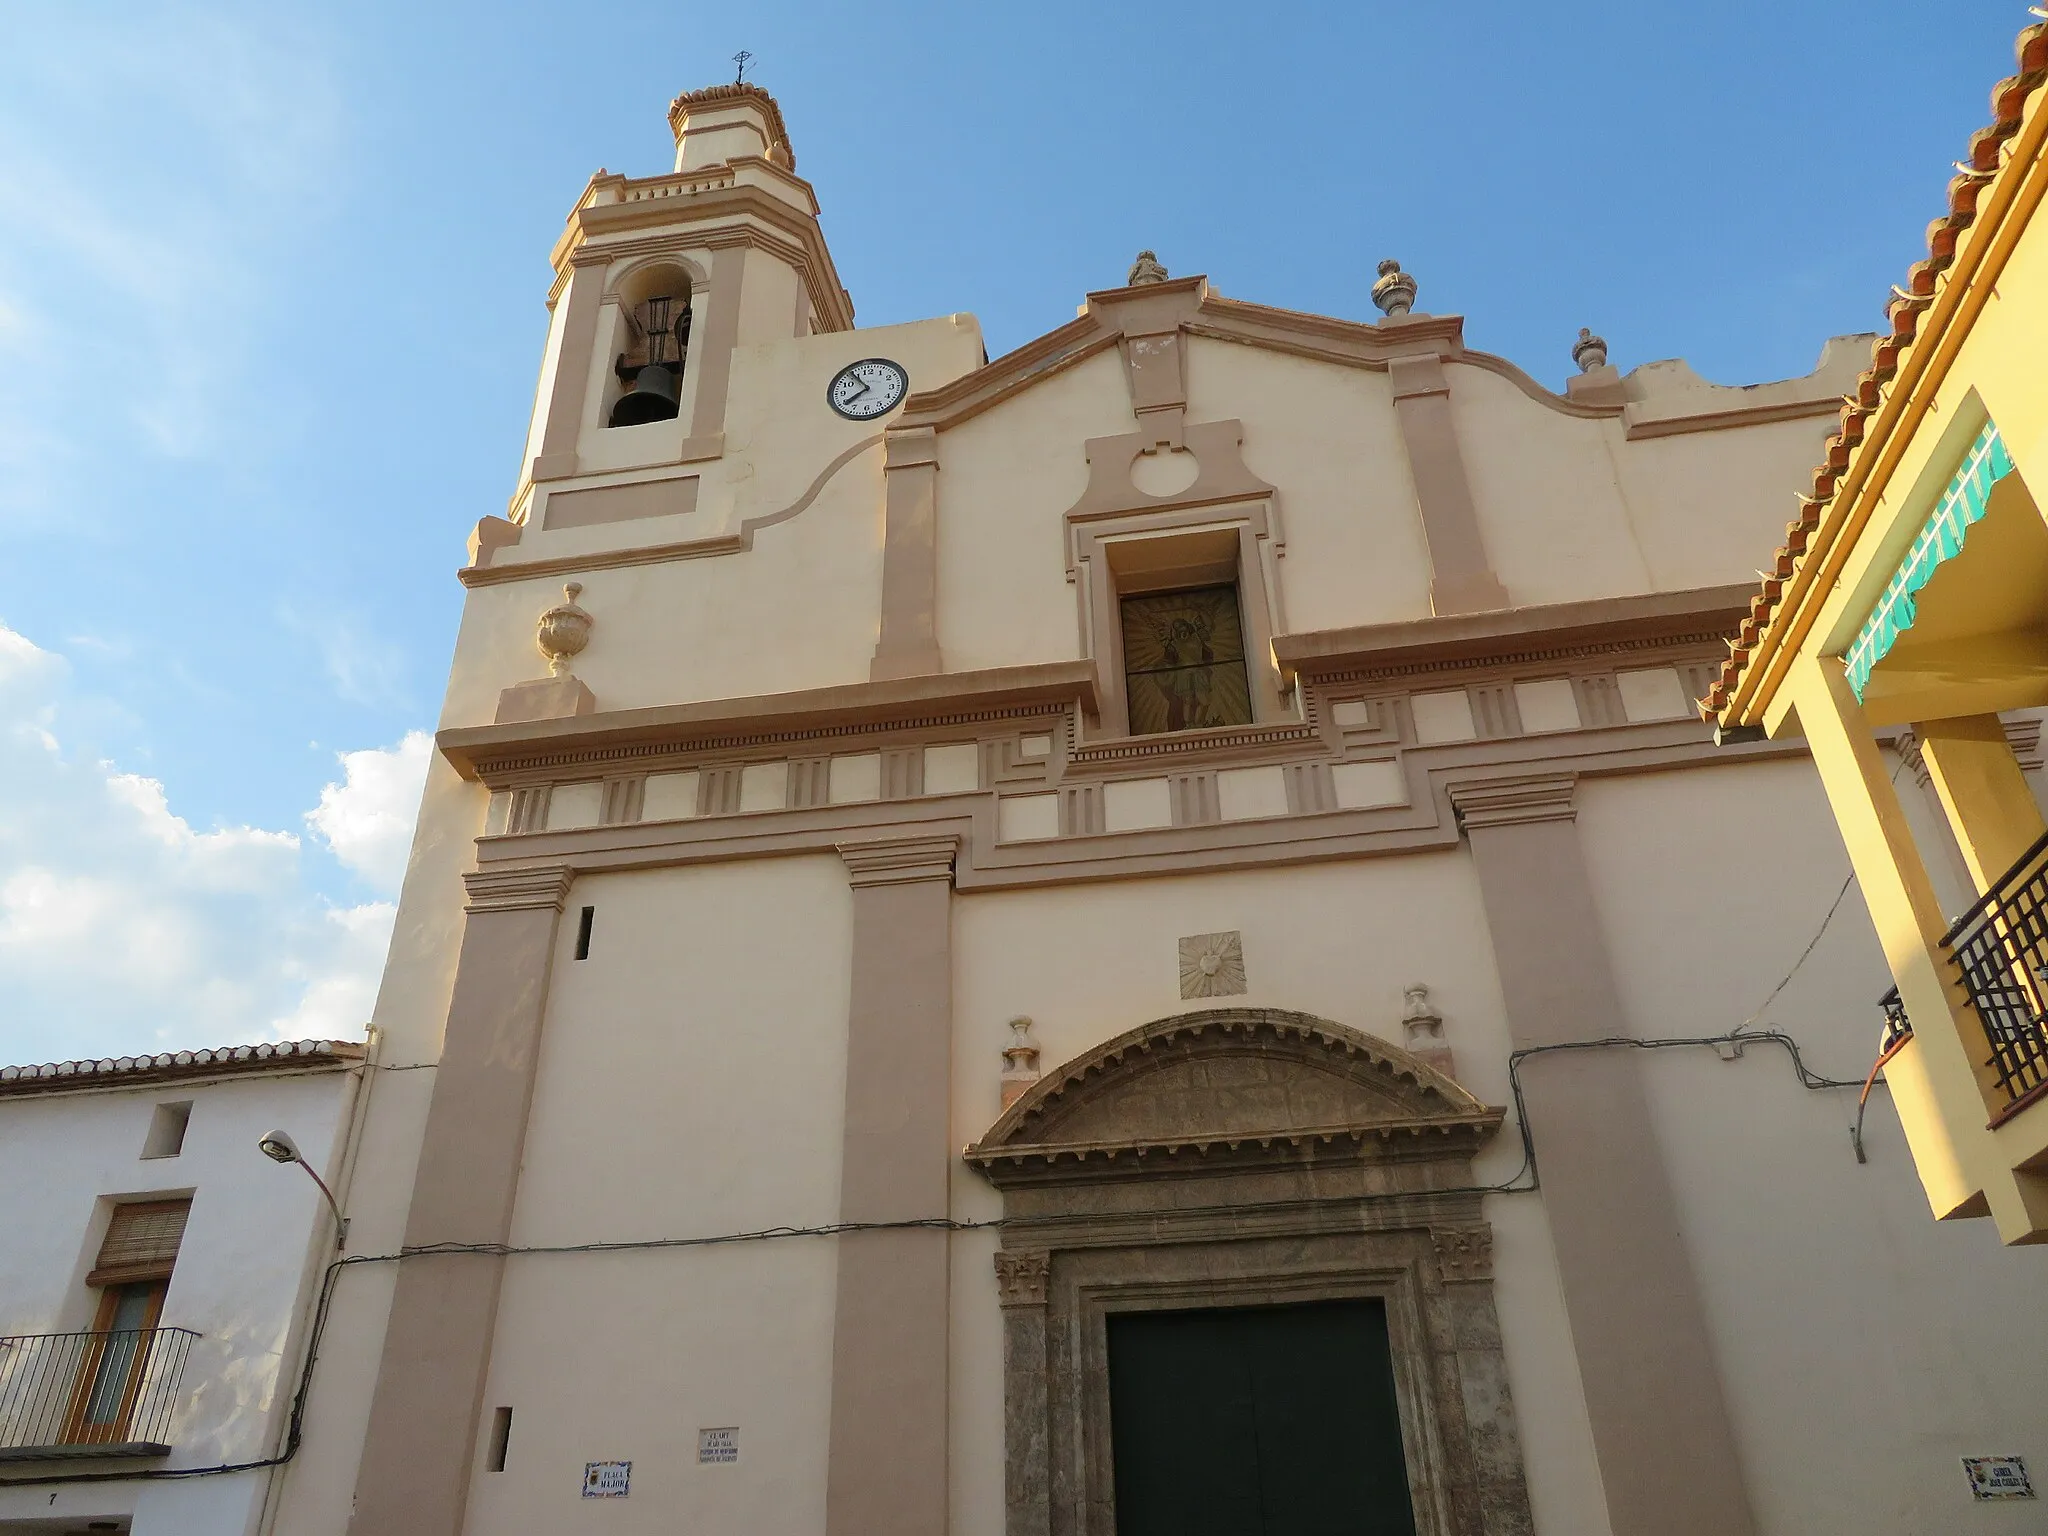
(1962, 504)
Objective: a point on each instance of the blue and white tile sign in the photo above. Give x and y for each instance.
(607, 1479)
(1998, 1477)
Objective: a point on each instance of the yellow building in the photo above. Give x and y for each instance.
(1909, 607)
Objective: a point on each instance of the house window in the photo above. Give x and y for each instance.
(132, 1275)
(1184, 660)
(167, 1125)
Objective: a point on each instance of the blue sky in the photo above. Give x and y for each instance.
(271, 287)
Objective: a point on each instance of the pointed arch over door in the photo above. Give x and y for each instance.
(1247, 1158)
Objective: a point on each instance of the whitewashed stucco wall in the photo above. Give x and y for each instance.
(256, 1233)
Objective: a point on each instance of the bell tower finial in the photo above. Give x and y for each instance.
(742, 59)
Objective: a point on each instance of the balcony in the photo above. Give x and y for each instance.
(74, 1395)
(2001, 947)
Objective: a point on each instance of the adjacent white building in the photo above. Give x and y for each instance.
(157, 1275)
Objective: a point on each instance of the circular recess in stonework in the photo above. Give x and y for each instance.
(1164, 472)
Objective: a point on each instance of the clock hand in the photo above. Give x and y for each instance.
(865, 388)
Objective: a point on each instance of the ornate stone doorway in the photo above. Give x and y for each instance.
(1240, 1158)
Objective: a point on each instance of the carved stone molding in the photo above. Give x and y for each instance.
(517, 890)
(1308, 1091)
(899, 860)
(1464, 1253)
(2024, 737)
(1221, 474)
(1505, 802)
(1212, 965)
(1246, 1157)
(1021, 1277)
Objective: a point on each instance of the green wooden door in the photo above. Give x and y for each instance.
(1258, 1421)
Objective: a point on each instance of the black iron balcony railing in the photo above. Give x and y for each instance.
(2001, 947)
(90, 1394)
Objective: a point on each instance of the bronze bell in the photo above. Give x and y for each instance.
(654, 396)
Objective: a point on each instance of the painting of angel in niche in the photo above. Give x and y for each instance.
(1184, 660)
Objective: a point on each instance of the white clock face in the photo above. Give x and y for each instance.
(864, 390)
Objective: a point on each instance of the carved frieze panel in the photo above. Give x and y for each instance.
(1224, 1085)
(1212, 965)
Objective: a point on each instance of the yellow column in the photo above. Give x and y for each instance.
(1988, 800)
(1936, 1081)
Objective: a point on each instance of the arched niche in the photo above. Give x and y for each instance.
(652, 330)
(1239, 1157)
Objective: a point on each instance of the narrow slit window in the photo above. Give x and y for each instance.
(583, 926)
(1184, 660)
(501, 1437)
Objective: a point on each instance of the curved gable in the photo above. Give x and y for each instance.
(1230, 1083)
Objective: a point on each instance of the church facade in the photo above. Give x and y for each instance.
(1140, 936)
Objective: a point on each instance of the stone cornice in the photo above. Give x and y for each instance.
(1416, 1112)
(730, 205)
(1187, 305)
(1696, 616)
(518, 890)
(899, 860)
(987, 863)
(713, 97)
(1181, 748)
(1511, 802)
(481, 572)
(626, 735)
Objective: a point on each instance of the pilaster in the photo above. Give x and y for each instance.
(557, 459)
(711, 349)
(1660, 1421)
(1022, 1280)
(1988, 802)
(887, 1462)
(1940, 1080)
(1461, 577)
(908, 644)
(413, 1479)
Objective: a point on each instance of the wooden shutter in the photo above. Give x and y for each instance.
(141, 1242)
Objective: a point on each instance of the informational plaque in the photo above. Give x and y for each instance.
(607, 1479)
(718, 1445)
(1998, 1477)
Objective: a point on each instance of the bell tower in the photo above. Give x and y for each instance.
(657, 280)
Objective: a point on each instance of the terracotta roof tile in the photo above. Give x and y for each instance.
(116, 1071)
(2008, 105)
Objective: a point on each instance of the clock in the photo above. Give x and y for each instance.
(869, 388)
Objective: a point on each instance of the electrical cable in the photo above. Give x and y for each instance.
(1513, 1185)
(1739, 1037)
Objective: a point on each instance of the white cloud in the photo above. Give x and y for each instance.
(367, 819)
(123, 928)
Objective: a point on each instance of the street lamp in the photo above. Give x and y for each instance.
(279, 1147)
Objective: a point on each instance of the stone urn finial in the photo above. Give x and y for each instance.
(1419, 1017)
(1146, 269)
(1020, 1061)
(1394, 293)
(563, 631)
(1424, 1027)
(1589, 351)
